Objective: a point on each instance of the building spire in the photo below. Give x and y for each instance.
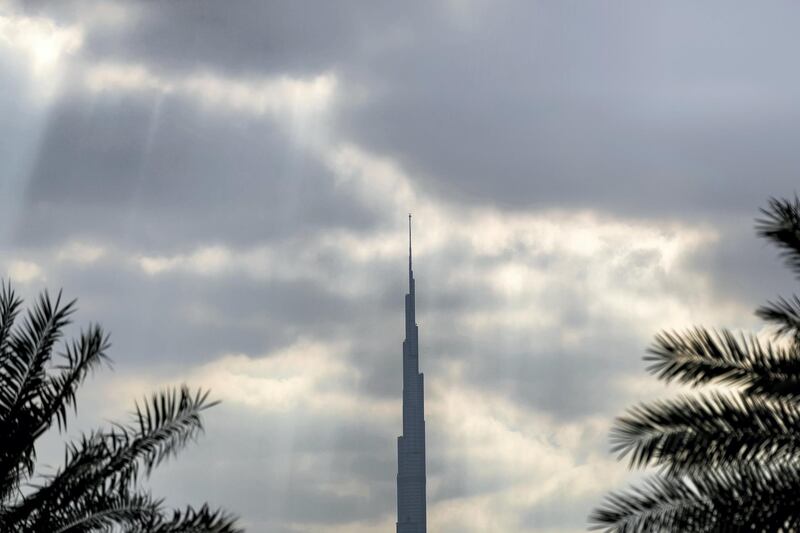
(410, 272)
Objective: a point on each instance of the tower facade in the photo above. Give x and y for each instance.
(411, 497)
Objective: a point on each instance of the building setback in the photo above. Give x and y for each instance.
(411, 498)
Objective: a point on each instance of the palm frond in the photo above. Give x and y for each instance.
(658, 504)
(97, 488)
(81, 459)
(780, 223)
(10, 306)
(24, 376)
(167, 422)
(81, 357)
(190, 520)
(163, 425)
(784, 314)
(33, 343)
(101, 510)
(56, 394)
(701, 356)
(753, 498)
(727, 461)
(715, 430)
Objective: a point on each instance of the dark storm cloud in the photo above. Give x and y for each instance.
(268, 38)
(744, 268)
(631, 107)
(160, 172)
(626, 107)
(535, 367)
(190, 319)
(291, 492)
(564, 383)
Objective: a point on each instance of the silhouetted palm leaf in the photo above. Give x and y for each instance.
(756, 497)
(784, 314)
(694, 433)
(701, 356)
(98, 486)
(781, 224)
(727, 461)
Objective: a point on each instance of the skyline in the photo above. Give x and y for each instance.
(225, 189)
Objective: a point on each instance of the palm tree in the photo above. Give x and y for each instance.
(727, 459)
(98, 488)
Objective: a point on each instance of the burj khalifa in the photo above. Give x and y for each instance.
(411, 498)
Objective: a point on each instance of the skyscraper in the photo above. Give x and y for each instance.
(411, 506)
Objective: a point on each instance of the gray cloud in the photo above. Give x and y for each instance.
(545, 104)
(519, 105)
(160, 173)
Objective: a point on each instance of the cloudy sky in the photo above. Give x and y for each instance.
(224, 186)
